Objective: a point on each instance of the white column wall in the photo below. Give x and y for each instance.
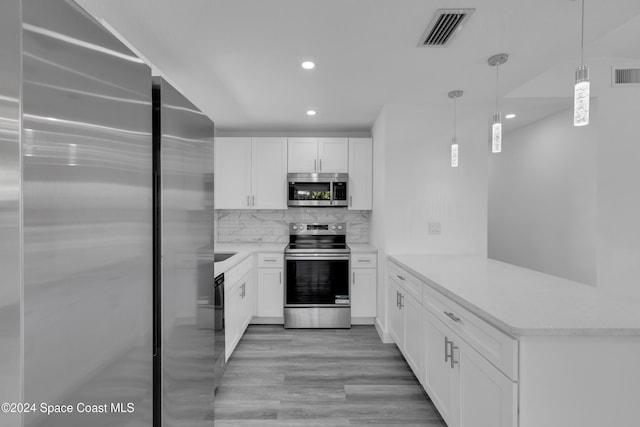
(542, 198)
(618, 193)
(414, 184)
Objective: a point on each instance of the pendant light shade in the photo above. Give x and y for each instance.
(496, 134)
(582, 87)
(455, 94)
(496, 123)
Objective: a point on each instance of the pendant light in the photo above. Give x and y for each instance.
(582, 87)
(454, 94)
(496, 124)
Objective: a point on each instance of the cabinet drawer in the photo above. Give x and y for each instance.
(497, 347)
(364, 260)
(406, 280)
(270, 260)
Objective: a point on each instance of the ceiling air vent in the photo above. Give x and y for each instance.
(444, 25)
(625, 76)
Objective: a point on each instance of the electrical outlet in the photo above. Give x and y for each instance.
(434, 228)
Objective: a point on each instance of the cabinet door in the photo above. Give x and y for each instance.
(437, 377)
(231, 320)
(270, 292)
(232, 173)
(302, 155)
(395, 315)
(360, 173)
(412, 313)
(269, 173)
(333, 155)
(487, 396)
(246, 301)
(363, 292)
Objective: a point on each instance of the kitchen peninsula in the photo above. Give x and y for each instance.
(502, 345)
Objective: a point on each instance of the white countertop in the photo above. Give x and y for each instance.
(525, 302)
(245, 249)
(362, 248)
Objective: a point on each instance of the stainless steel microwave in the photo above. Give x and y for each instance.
(318, 189)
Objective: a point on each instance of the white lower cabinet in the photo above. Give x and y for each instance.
(270, 289)
(465, 387)
(467, 390)
(238, 304)
(404, 315)
(363, 288)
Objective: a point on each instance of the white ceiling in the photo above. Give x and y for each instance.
(239, 60)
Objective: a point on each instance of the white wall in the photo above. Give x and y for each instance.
(377, 234)
(618, 194)
(422, 187)
(565, 200)
(542, 198)
(414, 185)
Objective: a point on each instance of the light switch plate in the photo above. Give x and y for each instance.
(435, 228)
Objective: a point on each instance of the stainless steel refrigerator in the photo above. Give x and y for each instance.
(85, 211)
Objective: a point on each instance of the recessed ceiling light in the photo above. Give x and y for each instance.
(308, 65)
(311, 113)
(509, 116)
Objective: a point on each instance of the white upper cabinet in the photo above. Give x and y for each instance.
(360, 173)
(333, 155)
(303, 155)
(269, 177)
(318, 155)
(250, 173)
(232, 173)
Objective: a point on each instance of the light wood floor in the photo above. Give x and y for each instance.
(320, 377)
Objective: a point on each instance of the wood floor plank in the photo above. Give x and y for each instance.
(320, 377)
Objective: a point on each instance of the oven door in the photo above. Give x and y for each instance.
(317, 280)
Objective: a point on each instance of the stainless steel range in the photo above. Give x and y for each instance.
(317, 292)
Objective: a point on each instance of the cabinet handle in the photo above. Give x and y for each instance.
(253, 200)
(354, 277)
(315, 165)
(446, 349)
(454, 362)
(364, 260)
(320, 168)
(248, 200)
(281, 277)
(397, 299)
(401, 301)
(449, 356)
(400, 277)
(452, 316)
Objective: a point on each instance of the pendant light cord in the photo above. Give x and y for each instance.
(582, 37)
(455, 114)
(497, 86)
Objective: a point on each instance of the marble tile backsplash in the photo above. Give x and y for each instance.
(269, 226)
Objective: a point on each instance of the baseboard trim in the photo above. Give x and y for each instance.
(382, 332)
(267, 320)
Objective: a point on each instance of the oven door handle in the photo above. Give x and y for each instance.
(323, 257)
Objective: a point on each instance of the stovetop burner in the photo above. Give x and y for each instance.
(317, 238)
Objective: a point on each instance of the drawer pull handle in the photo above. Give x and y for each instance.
(401, 301)
(400, 277)
(269, 260)
(364, 260)
(448, 355)
(452, 316)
